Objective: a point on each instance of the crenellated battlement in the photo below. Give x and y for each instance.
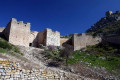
(113, 14)
(18, 33)
(50, 30)
(20, 23)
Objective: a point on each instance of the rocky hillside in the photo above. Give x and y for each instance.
(22, 63)
(28, 63)
(106, 26)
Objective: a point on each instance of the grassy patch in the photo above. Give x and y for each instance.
(54, 54)
(6, 47)
(111, 63)
(2, 50)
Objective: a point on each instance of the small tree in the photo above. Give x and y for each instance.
(66, 52)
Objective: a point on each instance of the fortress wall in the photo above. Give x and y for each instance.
(42, 38)
(48, 37)
(80, 41)
(33, 39)
(1, 29)
(6, 31)
(18, 32)
(1, 32)
(63, 40)
(53, 38)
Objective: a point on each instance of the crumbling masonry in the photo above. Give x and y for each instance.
(18, 33)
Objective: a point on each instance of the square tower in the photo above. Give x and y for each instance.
(17, 33)
(49, 37)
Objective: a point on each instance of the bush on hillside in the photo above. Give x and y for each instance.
(5, 45)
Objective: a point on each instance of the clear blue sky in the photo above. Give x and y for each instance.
(66, 16)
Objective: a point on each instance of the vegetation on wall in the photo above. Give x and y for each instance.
(6, 47)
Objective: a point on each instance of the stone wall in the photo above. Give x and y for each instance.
(42, 38)
(17, 33)
(10, 70)
(53, 38)
(49, 37)
(33, 39)
(63, 40)
(1, 29)
(6, 31)
(80, 41)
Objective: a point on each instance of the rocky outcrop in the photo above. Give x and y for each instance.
(109, 18)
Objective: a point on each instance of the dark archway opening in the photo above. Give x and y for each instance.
(30, 44)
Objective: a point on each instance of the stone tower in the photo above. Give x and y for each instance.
(49, 37)
(108, 13)
(17, 33)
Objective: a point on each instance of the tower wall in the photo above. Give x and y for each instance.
(18, 33)
(49, 37)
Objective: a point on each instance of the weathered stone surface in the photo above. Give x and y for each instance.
(17, 33)
(63, 40)
(80, 41)
(1, 29)
(33, 39)
(48, 37)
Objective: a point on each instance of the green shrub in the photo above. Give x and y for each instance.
(16, 50)
(2, 50)
(55, 52)
(5, 45)
(22, 54)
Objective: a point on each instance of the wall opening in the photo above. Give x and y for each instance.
(30, 44)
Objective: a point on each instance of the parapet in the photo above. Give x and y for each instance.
(27, 24)
(1, 29)
(48, 29)
(13, 20)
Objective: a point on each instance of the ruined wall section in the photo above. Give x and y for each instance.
(52, 38)
(18, 32)
(49, 37)
(6, 31)
(42, 38)
(63, 40)
(2, 29)
(33, 39)
(1, 32)
(80, 41)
